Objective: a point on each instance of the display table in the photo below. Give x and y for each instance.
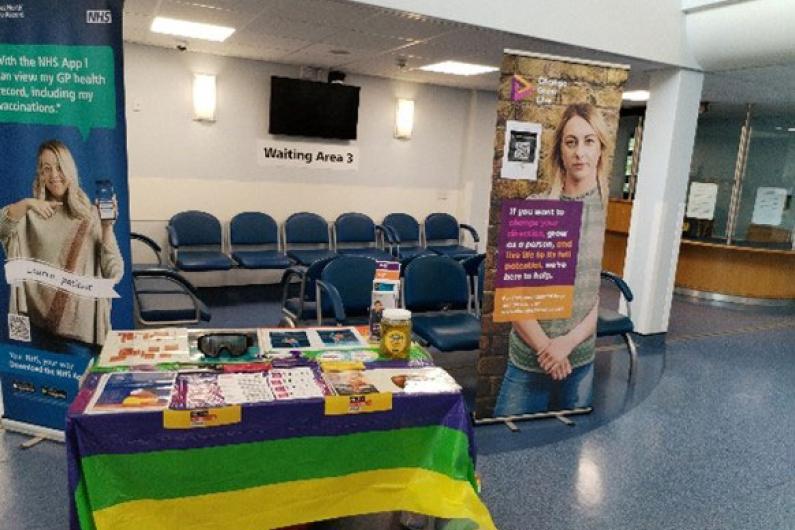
(284, 463)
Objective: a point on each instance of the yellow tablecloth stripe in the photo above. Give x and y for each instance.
(284, 504)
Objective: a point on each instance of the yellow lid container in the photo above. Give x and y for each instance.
(396, 333)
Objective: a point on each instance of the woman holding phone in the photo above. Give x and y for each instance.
(550, 362)
(60, 227)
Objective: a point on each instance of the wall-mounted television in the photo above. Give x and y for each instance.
(308, 108)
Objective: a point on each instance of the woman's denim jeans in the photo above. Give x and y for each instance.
(524, 392)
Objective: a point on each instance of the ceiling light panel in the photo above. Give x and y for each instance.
(635, 95)
(209, 12)
(193, 30)
(458, 68)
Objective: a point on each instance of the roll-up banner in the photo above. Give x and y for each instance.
(64, 217)
(556, 126)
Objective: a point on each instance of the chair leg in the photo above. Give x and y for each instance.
(633, 353)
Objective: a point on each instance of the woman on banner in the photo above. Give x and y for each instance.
(60, 227)
(550, 362)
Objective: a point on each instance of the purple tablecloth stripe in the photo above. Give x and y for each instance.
(135, 432)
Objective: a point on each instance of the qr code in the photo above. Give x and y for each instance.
(521, 151)
(18, 327)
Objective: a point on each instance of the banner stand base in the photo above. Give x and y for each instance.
(560, 415)
(37, 433)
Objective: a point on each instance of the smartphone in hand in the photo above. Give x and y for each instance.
(105, 199)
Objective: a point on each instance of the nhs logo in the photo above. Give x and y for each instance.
(98, 16)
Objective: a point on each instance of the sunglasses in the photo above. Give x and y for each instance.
(233, 344)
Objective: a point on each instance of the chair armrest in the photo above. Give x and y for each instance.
(472, 232)
(387, 233)
(336, 301)
(149, 242)
(472, 264)
(161, 272)
(173, 240)
(393, 234)
(620, 283)
(202, 312)
(295, 271)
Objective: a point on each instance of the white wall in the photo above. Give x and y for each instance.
(176, 163)
(646, 29)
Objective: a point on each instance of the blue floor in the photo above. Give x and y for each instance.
(712, 445)
(704, 437)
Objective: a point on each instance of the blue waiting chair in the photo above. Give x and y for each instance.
(196, 242)
(443, 236)
(301, 307)
(405, 233)
(355, 234)
(435, 291)
(254, 242)
(345, 289)
(306, 238)
(163, 297)
(610, 322)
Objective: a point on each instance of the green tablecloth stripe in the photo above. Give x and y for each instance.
(115, 478)
(83, 507)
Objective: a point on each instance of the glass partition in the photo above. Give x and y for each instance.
(623, 173)
(765, 215)
(714, 159)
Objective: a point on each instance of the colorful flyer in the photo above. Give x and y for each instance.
(144, 347)
(132, 392)
(328, 338)
(387, 270)
(427, 380)
(536, 259)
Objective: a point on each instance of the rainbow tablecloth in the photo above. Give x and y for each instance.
(286, 463)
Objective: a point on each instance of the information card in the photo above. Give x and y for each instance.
(536, 259)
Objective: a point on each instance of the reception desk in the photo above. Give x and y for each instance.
(711, 269)
(619, 212)
(734, 270)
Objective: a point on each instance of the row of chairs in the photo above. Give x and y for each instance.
(442, 293)
(196, 241)
(447, 308)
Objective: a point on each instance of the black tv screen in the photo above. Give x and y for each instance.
(308, 108)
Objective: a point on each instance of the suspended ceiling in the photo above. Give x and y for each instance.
(362, 39)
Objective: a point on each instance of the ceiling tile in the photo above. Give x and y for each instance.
(326, 12)
(140, 7)
(363, 41)
(408, 26)
(320, 55)
(249, 38)
(291, 29)
(136, 21)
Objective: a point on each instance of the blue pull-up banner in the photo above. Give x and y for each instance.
(64, 216)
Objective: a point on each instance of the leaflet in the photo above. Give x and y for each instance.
(144, 347)
(131, 392)
(329, 338)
